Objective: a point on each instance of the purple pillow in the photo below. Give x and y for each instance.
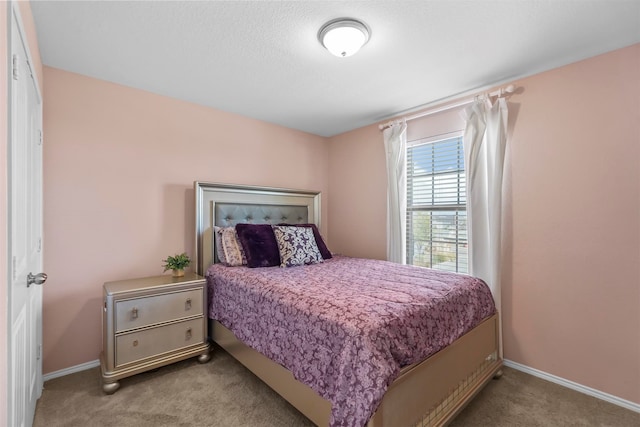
(326, 253)
(259, 244)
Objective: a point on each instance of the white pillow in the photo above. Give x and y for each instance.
(229, 251)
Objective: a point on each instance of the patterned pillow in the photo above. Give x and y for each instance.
(232, 253)
(322, 246)
(297, 246)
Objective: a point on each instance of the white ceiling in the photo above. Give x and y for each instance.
(262, 59)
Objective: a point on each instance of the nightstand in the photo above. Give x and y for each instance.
(151, 322)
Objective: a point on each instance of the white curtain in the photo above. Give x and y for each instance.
(395, 144)
(485, 140)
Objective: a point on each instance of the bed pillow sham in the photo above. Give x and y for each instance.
(233, 254)
(297, 246)
(322, 247)
(217, 235)
(259, 244)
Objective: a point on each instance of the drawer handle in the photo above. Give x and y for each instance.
(188, 334)
(135, 343)
(187, 304)
(134, 313)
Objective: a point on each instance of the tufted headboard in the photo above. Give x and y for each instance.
(226, 205)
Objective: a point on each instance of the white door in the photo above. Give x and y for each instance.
(25, 233)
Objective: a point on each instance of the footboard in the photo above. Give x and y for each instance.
(433, 392)
(429, 393)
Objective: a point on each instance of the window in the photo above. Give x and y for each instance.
(436, 203)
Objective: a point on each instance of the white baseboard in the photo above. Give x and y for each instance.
(71, 370)
(574, 386)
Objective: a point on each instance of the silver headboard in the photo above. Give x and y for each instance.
(226, 205)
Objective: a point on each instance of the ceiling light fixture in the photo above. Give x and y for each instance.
(343, 36)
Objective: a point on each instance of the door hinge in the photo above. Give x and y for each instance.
(39, 136)
(39, 352)
(13, 268)
(39, 244)
(15, 67)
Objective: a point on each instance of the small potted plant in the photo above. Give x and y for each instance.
(177, 263)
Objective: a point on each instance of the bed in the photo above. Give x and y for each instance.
(422, 392)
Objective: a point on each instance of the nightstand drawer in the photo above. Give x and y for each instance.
(145, 311)
(154, 342)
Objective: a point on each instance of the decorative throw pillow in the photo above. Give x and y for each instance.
(326, 253)
(297, 246)
(233, 252)
(259, 244)
(217, 235)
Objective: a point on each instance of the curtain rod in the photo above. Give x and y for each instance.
(508, 90)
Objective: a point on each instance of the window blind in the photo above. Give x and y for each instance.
(436, 204)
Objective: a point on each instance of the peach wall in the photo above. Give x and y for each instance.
(119, 170)
(573, 284)
(357, 175)
(571, 277)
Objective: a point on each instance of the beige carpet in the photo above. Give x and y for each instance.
(223, 393)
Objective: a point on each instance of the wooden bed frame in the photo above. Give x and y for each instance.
(429, 393)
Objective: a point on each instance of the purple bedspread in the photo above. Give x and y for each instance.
(346, 326)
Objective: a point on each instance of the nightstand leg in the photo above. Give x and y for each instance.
(204, 358)
(110, 388)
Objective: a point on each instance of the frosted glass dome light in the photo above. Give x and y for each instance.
(343, 37)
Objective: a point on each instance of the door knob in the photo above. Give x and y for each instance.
(38, 279)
